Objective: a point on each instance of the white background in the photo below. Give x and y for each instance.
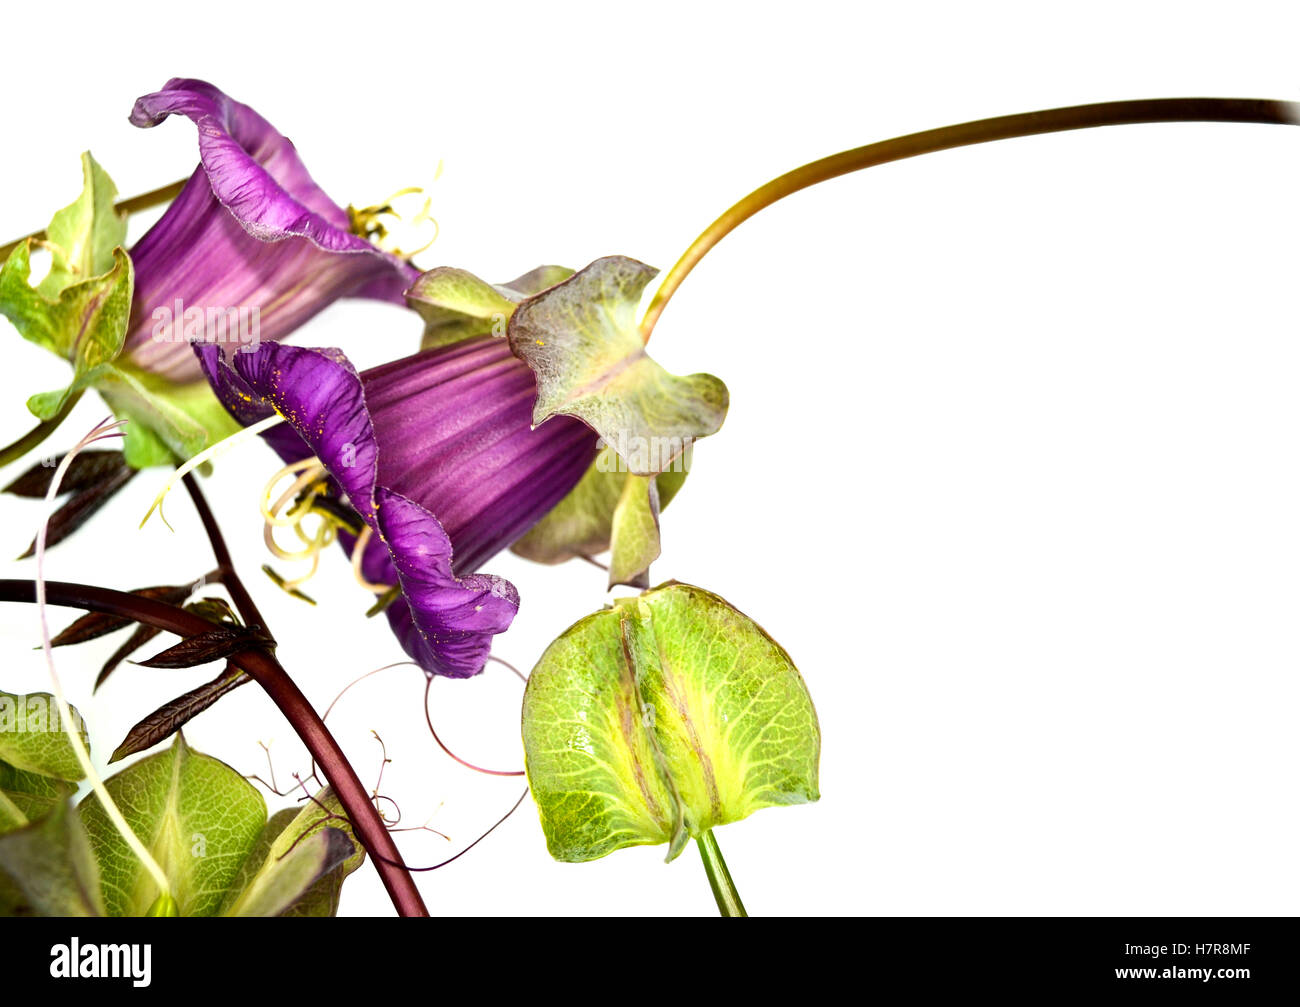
(1010, 467)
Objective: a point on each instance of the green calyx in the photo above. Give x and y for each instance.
(661, 718)
(578, 333)
(200, 820)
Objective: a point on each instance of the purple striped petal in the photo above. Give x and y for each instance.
(446, 624)
(443, 430)
(249, 230)
(455, 429)
(319, 395)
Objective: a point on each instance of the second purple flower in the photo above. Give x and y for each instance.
(437, 456)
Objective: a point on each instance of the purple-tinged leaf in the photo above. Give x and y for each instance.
(87, 469)
(80, 508)
(141, 636)
(97, 624)
(216, 644)
(171, 717)
(582, 341)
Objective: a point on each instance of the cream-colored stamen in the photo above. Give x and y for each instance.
(315, 471)
(287, 512)
(377, 223)
(358, 554)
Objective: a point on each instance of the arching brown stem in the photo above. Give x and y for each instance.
(1003, 127)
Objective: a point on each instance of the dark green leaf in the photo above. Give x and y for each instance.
(45, 863)
(299, 864)
(215, 610)
(26, 797)
(283, 585)
(341, 512)
(50, 867)
(384, 600)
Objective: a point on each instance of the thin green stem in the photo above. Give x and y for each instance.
(37, 434)
(135, 204)
(724, 889)
(1004, 127)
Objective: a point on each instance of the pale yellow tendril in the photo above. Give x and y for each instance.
(315, 471)
(288, 512)
(69, 720)
(220, 448)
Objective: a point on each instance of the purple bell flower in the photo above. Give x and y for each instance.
(250, 249)
(437, 455)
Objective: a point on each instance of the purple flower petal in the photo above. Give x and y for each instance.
(254, 171)
(455, 428)
(452, 424)
(446, 624)
(376, 563)
(319, 395)
(250, 230)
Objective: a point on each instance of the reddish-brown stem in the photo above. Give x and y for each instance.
(225, 565)
(268, 673)
(163, 194)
